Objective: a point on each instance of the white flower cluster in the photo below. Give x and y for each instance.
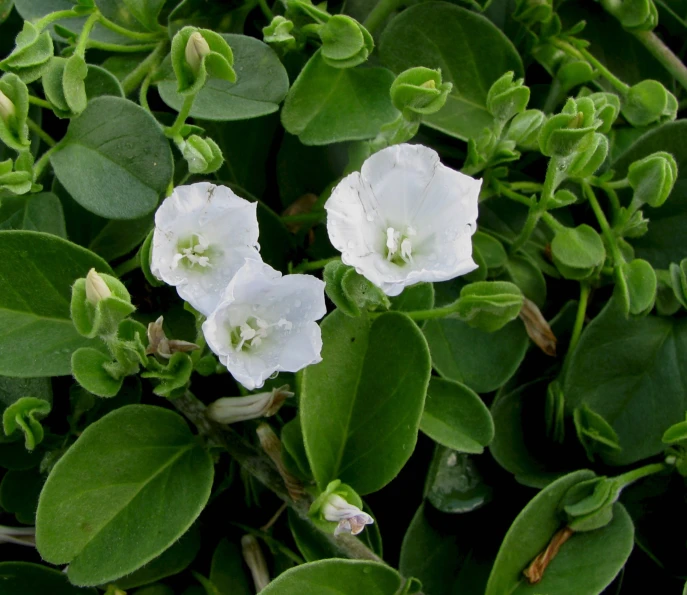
(205, 243)
(404, 219)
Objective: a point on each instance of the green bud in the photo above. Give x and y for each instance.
(419, 91)
(648, 102)
(573, 73)
(577, 252)
(339, 510)
(589, 504)
(17, 181)
(345, 42)
(607, 106)
(594, 432)
(636, 226)
(197, 54)
(203, 155)
(653, 178)
(173, 378)
(278, 34)
(351, 292)
(530, 12)
(585, 163)
(571, 130)
(634, 15)
(92, 370)
(64, 85)
(678, 281)
(30, 56)
(507, 97)
(638, 293)
(14, 110)
(524, 129)
(489, 305)
(99, 303)
(666, 300)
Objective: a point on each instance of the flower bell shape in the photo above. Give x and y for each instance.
(265, 323)
(405, 218)
(203, 235)
(350, 518)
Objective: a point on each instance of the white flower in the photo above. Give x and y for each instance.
(265, 323)
(350, 518)
(405, 218)
(203, 235)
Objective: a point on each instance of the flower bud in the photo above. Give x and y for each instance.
(530, 12)
(538, 328)
(203, 155)
(271, 444)
(653, 178)
(345, 42)
(229, 410)
(341, 505)
(255, 560)
(586, 162)
(6, 108)
(278, 33)
(96, 288)
(196, 49)
(524, 128)
(507, 97)
(14, 110)
(571, 130)
(648, 102)
(634, 15)
(159, 344)
(31, 54)
(489, 305)
(18, 535)
(419, 91)
(639, 289)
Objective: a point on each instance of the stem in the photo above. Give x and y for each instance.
(380, 13)
(617, 184)
(266, 9)
(143, 93)
(526, 186)
(42, 163)
(44, 136)
(603, 224)
(128, 265)
(41, 24)
(607, 74)
(85, 32)
(123, 49)
(442, 312)
(632, 476)
(664, 55)
(579, 324)
(138, 74)
(516, 196)
(175, 128)
(535, 571)
(554, 224)
(138, 36)
(40, 102)
(304, 217)
(314, 265)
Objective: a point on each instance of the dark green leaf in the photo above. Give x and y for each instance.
(227, 572)
(37, 212)
(23, 578)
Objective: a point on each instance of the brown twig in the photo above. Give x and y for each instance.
(535, 571)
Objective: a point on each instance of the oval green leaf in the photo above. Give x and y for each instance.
(361, 406)
(37, 271)
(471, 52)
(114, 160)
(24, 578)
(129, 487)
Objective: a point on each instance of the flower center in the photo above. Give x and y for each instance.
(193, 252)
(251, 333)
(399, 248)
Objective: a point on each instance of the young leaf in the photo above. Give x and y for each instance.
(129, 487)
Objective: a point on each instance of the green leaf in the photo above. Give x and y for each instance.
(585, 564)
(23, 578)
(336, 577)
(114, 160)
(361, 406)
(37, 271)
(19, 492)
(172, 561)
(471, 52)
(456, 417)
(577, 251)
(101, 82)
(415, 297)
(129, 487)
(37, 212)
(23, 416)
(528, 277)
(227, 573)
(13, 389)
(261, 85)
(630, 372)
(327, 105)
(483, 361)
(665, 241)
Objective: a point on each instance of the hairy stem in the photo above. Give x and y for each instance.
(664, 55)
(380, 13)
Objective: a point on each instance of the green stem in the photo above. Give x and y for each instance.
(266, 10)
(138, 74)
(613, 198)
(554, 224)
(315, 217)
(314, 265)
(40, 102)
(44, 136)
(632, 476)
(516, 196)
(442, 312)
(175, 128)
(380, 13)
(48, 19)
(143, 91)
(607, 74)
(128, 265)
(603, 224)
(579, 318)
(138, 36)
(41, 164)
(617, 184)
(85, 32)
(122, 49)
(664, 55)
(526, 186)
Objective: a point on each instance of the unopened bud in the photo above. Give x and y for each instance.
(6, 107)
(350, 518)
(18, 535)
(537, 328)
(229, 410)
(272, 446)
(96, 288)
(255, 560)
(196, 49)
(671, 460)
(159, 344)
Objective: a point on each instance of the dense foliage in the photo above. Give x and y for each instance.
(492, 197)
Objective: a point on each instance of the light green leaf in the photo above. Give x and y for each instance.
(37, 270)
(129, 487)
(470, 51)
(361, 406)
(114, 161)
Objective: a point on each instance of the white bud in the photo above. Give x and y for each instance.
(18, 535)
(196, 49)
(6, 107)
(229, 410)
(96, 288)
(255, 560)
(350, 518)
